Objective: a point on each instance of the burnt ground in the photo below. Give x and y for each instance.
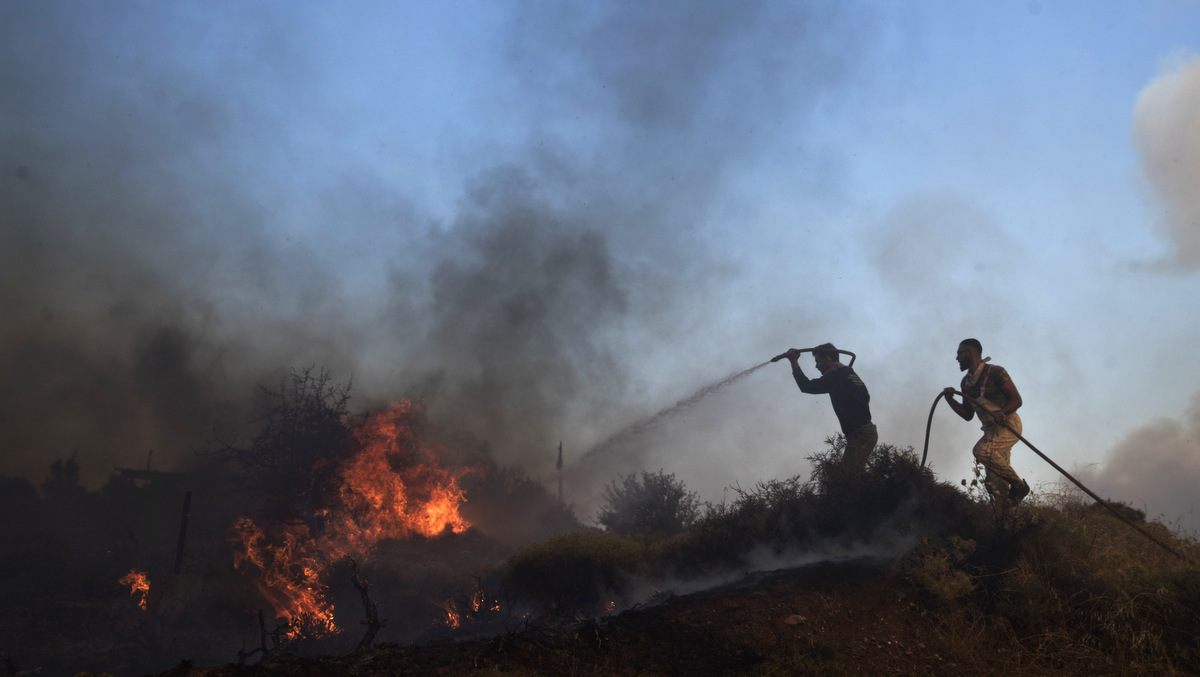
(851, 618)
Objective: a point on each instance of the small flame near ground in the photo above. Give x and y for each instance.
(393, 487)
(479, 603)
(453, 618)
(139, 584)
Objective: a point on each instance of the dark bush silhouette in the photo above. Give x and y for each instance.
(512, 507)
(62, 484)
(291, 463)
(653, 504)
(894, 496)
(573, 572)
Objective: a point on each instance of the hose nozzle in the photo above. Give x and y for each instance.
(781, 356)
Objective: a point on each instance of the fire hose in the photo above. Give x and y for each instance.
(1057, 467)
(809, 350)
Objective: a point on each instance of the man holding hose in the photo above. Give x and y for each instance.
(996, 400)
(851, 403)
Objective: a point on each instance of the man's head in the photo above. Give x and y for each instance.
(970, 353)
(825, 356)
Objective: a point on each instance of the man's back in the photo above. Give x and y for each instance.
(847, 393)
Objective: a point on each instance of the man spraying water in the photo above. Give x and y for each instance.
(850, 399)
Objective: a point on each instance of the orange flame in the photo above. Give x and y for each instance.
(392, 487)
(289, 575)
(139, 583)
(479, 603)
(453, 618)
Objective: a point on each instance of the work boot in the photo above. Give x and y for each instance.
(1018, 492)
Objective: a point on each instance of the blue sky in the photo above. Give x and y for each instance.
(551, 220)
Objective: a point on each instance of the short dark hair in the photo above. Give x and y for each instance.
(826, 350)
(973, 343)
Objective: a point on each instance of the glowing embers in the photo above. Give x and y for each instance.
(453, 617)
(392, 486)
(139, 585)
(478, 606)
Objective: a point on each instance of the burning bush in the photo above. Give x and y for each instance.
(386, 481)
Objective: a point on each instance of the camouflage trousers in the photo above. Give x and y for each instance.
(860, 442)
(994, 452)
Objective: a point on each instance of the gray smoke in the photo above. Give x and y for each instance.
(1156, 468)
(1166, 127)
(942, 261)
(132, 246)
(189, 207)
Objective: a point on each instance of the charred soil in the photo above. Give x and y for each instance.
(828, 619)
(823, 619)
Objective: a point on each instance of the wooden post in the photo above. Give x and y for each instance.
(187, 505)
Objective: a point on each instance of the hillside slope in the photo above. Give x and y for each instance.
(930, 579)
(829, 619)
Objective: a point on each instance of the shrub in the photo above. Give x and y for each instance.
(511, 507)
(655, 504)
(290, 462)
(1085, 583)
(936, 567)
(773, 514)
(575, 571)
(895, 495)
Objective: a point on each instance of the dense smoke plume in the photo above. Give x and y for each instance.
(187, 215)
(194, 202)
(1167, 129)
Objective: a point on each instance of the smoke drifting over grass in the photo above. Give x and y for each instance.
(1167, 129)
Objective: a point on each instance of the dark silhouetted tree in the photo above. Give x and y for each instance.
(63, 481)
(291, 463)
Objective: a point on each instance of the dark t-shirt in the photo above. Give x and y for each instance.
(847, 392)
